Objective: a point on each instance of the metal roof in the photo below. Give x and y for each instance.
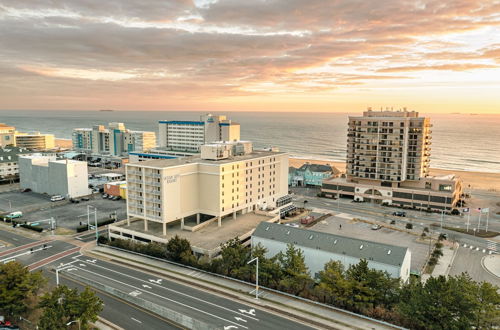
(361, 249)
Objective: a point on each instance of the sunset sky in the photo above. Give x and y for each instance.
(275, 55)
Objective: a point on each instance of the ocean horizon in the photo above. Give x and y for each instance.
(459, 141)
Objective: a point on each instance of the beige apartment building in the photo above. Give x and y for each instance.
(7, 135)
(229, 179)
(388, 156)
(35, 141)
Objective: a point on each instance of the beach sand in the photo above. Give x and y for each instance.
(64, 143)
(477, 180)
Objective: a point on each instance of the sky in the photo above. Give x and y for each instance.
(433, 56)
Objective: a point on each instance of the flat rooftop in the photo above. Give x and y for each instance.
(209, 237)
(431, 178)
(198, 160)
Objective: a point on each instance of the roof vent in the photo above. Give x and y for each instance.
(288, 232)
(361, 247)
(335, 242)
(311, 236)
(389, 252)
(267, 228)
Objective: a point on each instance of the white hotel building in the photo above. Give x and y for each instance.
(190, 135)
(229, 179)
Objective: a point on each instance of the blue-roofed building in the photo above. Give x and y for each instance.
(188, 136)
(310, 175)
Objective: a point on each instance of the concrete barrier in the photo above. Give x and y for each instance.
(163, 311)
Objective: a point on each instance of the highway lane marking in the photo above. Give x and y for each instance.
(161, 297)
(178, 292)
(136, 320)
(15, 239)
(135, 307)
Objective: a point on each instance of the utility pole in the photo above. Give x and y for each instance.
(256, 259)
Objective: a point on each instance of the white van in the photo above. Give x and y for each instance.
(56, 198)
(14, 215)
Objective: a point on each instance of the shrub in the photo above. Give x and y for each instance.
(35, 228)
(409, 226)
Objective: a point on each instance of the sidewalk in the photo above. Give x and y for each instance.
(312, 314)
(445, 262)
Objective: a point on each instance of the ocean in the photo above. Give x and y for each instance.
(459, 141)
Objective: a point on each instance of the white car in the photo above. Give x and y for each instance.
(56, 198)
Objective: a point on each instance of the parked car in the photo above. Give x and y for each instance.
(294, 225)
(57, 198)
(117, 198)
(73, 200)
(110, 196)
(376, 227)
(393, 222)
(104, 195)
(85, 199)
(14, 215)
(26, 190)
(399, 214)
(307, 220)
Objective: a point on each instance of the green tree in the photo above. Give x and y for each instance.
(440, 303)
(17, 284)
(233, 260)
(333, 288)
(64, 305)
(488, 306)
(296, 274)
(270, 272)
(178, 249)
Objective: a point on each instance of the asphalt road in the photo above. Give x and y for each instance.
(201, 305)
(13, 239)
(119, 312)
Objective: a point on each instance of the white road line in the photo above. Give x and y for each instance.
(15, 239)
(159, 296)
(172, 290)
(136, 320)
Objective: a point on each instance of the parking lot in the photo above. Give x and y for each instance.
(36, 207)
(17, 201)
(343, 225)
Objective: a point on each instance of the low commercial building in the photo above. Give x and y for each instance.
(226, 182)
(117, 188)
(181, 135)
(46, 174)
(319, 248)
(310, 174)
(9, 166)
(35, 141)
(429, 193)
(115, 140)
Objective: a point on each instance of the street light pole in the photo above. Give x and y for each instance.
(256, 259)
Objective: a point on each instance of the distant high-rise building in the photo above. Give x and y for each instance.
(115, 140)
(389, 146)
(34, 141)
(7, 135)
(190, 135)
(388, 156)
